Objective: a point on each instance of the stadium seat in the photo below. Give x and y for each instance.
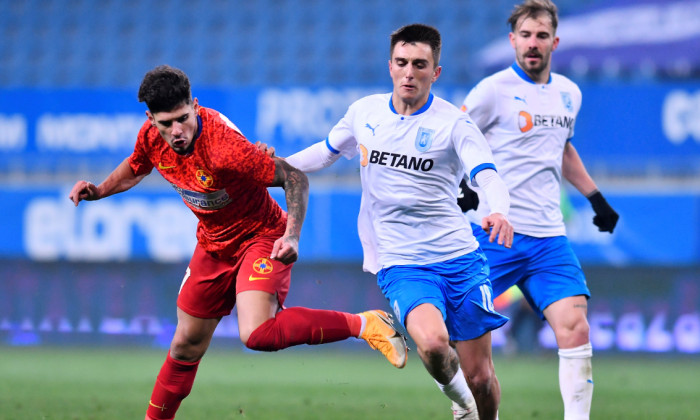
(110, 43)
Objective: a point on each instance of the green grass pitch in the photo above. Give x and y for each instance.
(332, 382)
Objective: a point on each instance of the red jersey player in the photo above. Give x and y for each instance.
(246, 244)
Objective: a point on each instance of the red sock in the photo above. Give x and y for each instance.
(294, 326)
(173, 384)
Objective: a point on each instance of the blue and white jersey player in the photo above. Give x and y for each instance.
(414, 148)
(527, 115)
(527, 125)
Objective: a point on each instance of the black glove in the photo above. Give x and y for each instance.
(467, 199)
(605, 217)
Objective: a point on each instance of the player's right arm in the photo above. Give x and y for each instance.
(340, 142)
(121, 179)
(296, 191)
(315, 157)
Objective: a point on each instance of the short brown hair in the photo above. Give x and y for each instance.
(418, 32)
(533, 9)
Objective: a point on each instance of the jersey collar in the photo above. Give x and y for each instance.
(196, 136)
(199, 127)
(420, 111)
(520, 72)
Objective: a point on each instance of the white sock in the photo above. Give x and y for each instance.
(458, 391)
(576, 381)
(363, 324)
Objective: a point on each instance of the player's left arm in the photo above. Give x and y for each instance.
(575, 172)
(496, 192)
(476, 157)
(296, 191)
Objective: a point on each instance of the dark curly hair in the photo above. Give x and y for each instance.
(418, 32)
(165, 88)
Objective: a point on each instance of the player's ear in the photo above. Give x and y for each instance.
(437, 72)
(150, 118)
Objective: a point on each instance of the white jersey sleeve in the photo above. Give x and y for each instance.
(495, 191)
(471, 146)
(341, 139)
(313, 158)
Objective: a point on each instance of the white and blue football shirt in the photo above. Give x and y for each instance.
(527, 126)
(410, 169)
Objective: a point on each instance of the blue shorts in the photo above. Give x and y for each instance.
(459, 288)
(545, 269)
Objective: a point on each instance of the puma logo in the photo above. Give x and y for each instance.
(371, 128)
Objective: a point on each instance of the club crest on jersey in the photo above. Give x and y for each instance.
(566, 100)
(204, 178)
(424, 139)
(262, 266)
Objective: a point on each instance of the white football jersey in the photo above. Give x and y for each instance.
(410, 169)
(527, 126)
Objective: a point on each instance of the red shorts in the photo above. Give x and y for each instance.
(211, 284)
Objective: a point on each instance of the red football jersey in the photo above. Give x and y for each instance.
(223, 181)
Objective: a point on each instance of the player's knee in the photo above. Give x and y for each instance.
(244, 335)
(581, 332)
(265, 337)
(186, 350)
(481, 380)
(574, 334)
(433, 346)
(258, 341)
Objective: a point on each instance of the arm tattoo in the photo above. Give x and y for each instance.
(296, 189)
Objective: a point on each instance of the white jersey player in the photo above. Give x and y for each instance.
(410, 166)
(414, 149)
(527, 115)
(527, 126)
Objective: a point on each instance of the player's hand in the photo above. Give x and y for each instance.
(497, 226)
(83, 190)
(269, 150)
(467, 199)
(605, 217)
(285, 249)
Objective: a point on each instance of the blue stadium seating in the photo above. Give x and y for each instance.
(112, 43)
